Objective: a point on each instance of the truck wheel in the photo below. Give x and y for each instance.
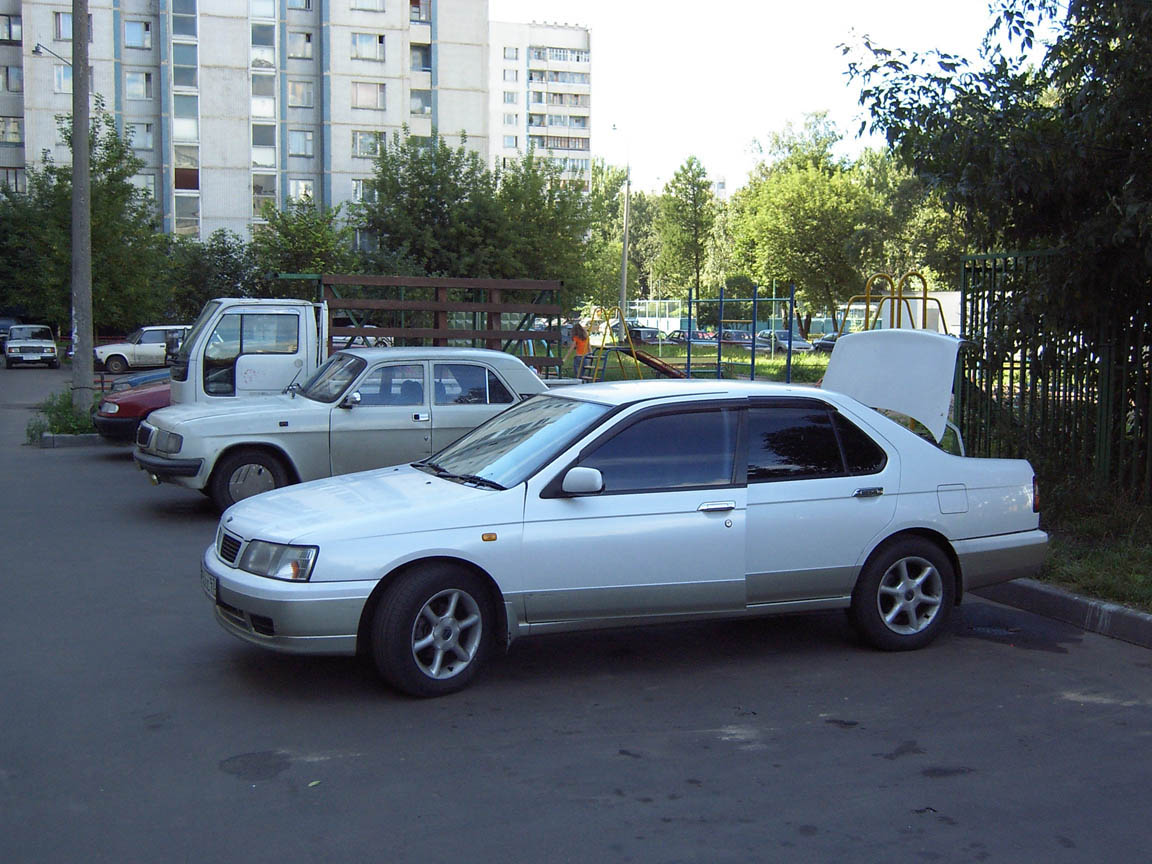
(432, 630)
(244, 473)
(904, 595)
(116, 364)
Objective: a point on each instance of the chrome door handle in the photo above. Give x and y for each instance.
(869, 492)
(716, 507)
(421, 418)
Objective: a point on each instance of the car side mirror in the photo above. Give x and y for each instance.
(583, 481)
(351, 400)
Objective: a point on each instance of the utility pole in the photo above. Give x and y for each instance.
(82, 389)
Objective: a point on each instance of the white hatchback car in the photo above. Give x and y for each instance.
(709, 498)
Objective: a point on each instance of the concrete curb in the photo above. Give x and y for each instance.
(1096, 616)
(49, 441)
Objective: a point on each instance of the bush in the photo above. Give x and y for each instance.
(56, 415)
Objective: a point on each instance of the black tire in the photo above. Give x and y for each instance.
(116, 365)
(53, 364)
(243, 473)
(7, 364)
(904, 595)
(457, 644)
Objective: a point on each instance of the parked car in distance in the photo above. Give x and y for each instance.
(363, 408)
(826, 343)
(741, 338)
(144, 347)
(645, 335)
(30, 343)
(723, 499)
(118, 414)
(139, 379)
(682, 336)
(5, 323)
(780, 340)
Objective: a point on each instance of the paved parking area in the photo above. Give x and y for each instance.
(134, 729)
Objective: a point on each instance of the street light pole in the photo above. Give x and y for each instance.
(624, 251)
(82, 388)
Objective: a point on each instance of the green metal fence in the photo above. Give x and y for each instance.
(1072, 397)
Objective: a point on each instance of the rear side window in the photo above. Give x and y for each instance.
(669, 451)
(803, 439)
(862, 454)
(468, 384)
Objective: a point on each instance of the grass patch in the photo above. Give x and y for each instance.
(56, 415)
(1103, 550)
(807, 368)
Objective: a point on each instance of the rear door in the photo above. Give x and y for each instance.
(391, 423)
(820, 490)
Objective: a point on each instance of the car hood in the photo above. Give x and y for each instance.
(384, 501)
(247, 408)
(147, 395)
(906, 371)
(33, 343)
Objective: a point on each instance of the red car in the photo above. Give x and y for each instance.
(119, 413)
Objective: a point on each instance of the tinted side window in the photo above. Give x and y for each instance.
(790, 443)
(669, 451)
(863, 455)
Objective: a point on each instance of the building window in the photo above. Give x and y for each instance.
(362, 190)
(140, 135)
(13, 178)
(11, 28)
(509, 97)
(62, 24)
(263, 192)
(421, 102)
(263, 95)
(264, 46)
(12, 79)
(137, 85)
(183, 64)
(510, 142)
(538, 53)
(185, 117)
(536, 97)
(184, 22)
(421, 58)
(304, 5)
(511, 53)
(263, 8)
(263, 145)
(420, 10)
(137, 34)
(11, 130)
(63, 78)
(187, 213)
(300, 46)
(186, 167)
(535, 119)
(511, 75)
(300, 142)
(367, 46)
(365, 144)
(369, 5)
(300, 190)
(144, 182)
(367, 94)
(300, 94)
(511, 119)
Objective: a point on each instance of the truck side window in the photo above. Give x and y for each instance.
(235, 335)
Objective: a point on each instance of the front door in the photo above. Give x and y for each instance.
(665, 536)
(391, 423)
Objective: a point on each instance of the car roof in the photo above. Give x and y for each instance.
(481, 355)
(627, 392)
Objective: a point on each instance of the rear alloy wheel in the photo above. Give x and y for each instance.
(244, 473)
(904, 595)
(116, 364)
(432, 630)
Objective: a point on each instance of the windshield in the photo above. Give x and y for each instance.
(194, 334)
(29, 333)
(511, 446)
(134, 337)
(332, 379)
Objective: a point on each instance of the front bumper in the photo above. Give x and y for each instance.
(164, 468)
(292, 617)
(116, 428)
(989, 560)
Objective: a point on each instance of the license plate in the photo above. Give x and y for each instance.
(208, 583)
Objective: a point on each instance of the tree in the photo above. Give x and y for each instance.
(301, 238)
(684, 225)
(221, 266)
(128, 255)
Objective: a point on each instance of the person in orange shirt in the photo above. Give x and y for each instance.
(579, 347)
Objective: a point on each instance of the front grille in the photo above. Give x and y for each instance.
(143, 433)
(229, 547)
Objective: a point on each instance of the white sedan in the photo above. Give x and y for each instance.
(627, 503)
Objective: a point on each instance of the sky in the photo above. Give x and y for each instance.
(679, 78)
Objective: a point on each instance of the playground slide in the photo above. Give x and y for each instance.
(659, 365)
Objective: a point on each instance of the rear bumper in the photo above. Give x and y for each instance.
(989, 560)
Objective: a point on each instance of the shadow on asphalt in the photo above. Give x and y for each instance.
(1007, 626)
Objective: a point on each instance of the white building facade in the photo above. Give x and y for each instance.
(540, 94)
(234, 103)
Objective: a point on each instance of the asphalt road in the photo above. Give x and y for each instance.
(133, 729)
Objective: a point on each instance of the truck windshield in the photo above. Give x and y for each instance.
(330, 381)
(193, 336)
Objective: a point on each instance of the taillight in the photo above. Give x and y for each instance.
(1035, 495)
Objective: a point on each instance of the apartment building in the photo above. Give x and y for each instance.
(233, 103)
(540, 94)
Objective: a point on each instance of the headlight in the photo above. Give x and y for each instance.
(49, 350)
(168, 442)
(276, 561)
(109, 408)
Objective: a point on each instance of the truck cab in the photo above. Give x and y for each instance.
(247, 347)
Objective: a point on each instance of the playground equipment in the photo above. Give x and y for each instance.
(897, 302)
(775, 304)
(595, 363)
